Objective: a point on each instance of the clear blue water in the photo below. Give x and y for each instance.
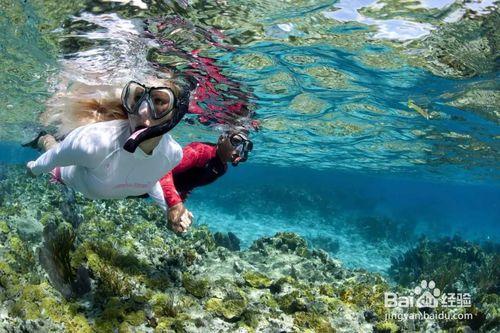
(256, 199)
(331, 87)
(364, 124)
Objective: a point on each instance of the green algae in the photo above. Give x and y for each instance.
(189, 282)
(268, 300)
(120, 314)
(278, 285)
(135, 318)
(327, 290)
(4, 227)
(230, 307)
(366, 292)
(257, 280)
(164, 305)
(292, 302)
(21, 253)
(113, 281)
(313, 322)
(386, 327)
(172, 324)
(194, 286)
(36, 302)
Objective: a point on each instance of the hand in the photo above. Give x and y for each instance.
(179, 218)
(29, 170)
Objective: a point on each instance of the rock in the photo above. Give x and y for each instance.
(228, 240)
(287, 242)
(370, 316)
(237, 267)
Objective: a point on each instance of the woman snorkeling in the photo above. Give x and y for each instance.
(125, 150)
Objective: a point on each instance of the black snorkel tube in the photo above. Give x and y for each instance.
(180, 109)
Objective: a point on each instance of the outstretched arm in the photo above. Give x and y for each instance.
(190, 159)
(178, 218)
(78, 148)
(170, 193)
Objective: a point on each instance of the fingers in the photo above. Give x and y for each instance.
(183, 222)
(178, 228)
(186, 220)
(29, 172)
(175, 212)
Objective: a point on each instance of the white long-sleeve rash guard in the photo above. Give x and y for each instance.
(93, 162)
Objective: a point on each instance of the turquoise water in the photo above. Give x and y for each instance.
(349, 127)
(375, 167)
(327, 206)
(363, 122)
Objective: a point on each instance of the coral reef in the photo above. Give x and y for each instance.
(144, 278)
(375, 229)
(453, 263)
(228, 240)
(456, 266)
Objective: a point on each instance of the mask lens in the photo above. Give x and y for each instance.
(241, 145)
(236, 140)
(163, 101)
(133, 95)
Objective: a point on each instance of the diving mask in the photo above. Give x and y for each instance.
(242, 145)
(161, 100)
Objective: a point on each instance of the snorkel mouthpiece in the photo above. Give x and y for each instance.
(181, 108)
(142, 135)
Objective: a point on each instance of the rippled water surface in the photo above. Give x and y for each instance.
(367, 87)
(344, 85)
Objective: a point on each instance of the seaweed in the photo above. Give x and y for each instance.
(458, 266)
(453, 263)
(143, 277)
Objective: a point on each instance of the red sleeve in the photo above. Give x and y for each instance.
(170, 193)
(195, 154)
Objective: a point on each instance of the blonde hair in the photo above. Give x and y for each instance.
(84, 104)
